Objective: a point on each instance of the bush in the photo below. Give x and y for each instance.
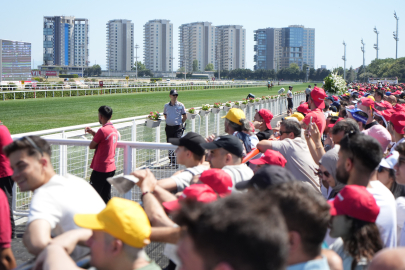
(153, 80)
(38, 79)
(68, 76)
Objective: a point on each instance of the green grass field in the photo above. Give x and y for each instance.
(38, 114)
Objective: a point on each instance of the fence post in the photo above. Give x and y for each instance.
(158, 141)
(206, 125)
(218, 120)
(127, 167)
(133, 138)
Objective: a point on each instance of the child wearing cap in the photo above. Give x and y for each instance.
(261, 121)
(354, 212)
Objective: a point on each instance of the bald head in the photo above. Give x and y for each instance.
(389, 259)
(392, 99)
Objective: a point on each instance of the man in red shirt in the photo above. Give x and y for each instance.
(316, 103)
(6, 183)
(103, 163)
(7, 260)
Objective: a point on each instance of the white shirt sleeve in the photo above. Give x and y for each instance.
(400, 219)
(43, 206)
(182, 180)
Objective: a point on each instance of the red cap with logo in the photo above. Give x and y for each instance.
(199, 192)
(398, 121)
(270, 157)
(356, 202)
(303, 108)
(318, 95)
(219, 180)
(368, 102)
(267, 116)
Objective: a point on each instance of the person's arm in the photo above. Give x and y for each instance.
(70, 239)
(163, 195)
(37, 236)
(165, 112)
(97, 137)
(90, 131)
(154, 210)
(316, 138)
(264, 145)
(165, 234)
(54, 257)
(7, 260)
(311, 147)
(168, 184)
(184, 118)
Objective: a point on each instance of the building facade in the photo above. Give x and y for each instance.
(277, 48)
(15, 60)
(65, 41)
(197, 42)
(158, 45)
(120, 45)
(230, 47)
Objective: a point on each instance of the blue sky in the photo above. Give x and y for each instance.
(334, 21)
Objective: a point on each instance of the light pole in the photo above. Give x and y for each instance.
(376, 45)
(136, 60)
(363, 50)
(396, 36)
(344, 60)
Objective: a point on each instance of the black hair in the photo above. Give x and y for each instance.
(34, 144)
(106, 112)
(292, 126)
(347, 125)
(380, 93)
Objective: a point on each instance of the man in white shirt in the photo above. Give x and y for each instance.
(55, 199)
(190, 154)
(295, 150)
(290, 100)
(226, 153)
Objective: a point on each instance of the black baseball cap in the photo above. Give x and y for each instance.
(192, 141)
(290, 86)
(267, 176)
(173, 92)
(228, 142)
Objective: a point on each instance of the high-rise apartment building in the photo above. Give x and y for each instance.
(196, 42)
(66, 41)
(158, 45)
(277, 48)
(230, 47)
(15, 60)
(120, 45)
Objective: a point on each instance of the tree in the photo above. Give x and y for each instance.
(95, 70)
(195, 65)
(351, 75)
(209, 67)
(141, 66)
(182, 69)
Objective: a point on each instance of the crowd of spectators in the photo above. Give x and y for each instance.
(324, 191)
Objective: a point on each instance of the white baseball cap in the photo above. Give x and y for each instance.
(390, 160)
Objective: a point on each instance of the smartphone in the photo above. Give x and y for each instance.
(123, 183)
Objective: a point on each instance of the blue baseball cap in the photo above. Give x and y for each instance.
(359, 118)
(388, 93)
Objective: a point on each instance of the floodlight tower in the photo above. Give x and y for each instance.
(376, 45)
(396, 36)
(363, 50)
(344, 59)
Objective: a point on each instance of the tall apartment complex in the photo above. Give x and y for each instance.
(66, 41)
(230, 47)
(158, 45)
(277, 48)
(15, 60)
(120, 45)
(197, 42)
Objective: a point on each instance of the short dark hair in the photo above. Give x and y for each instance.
(305, 211)
(379, 93)
(365, 150)
(292, 126)
(401, 148)
(241, 230)
(105, 111)
(34, 145)
(347, 125)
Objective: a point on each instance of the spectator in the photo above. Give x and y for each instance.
(270, 157)
(359, 116)
(367, 105)
(327, 173)
(400, 179)
(6, 183)
(55, 199)
(298, 202)
(225, 153)
(303, 109)
(235, 124)
(103, 163)
(215, 231)
(261, 122)
(290, 105)
(175, 115)
(120, 232)
(7, 260)
(354, 212)
(359, 156)
(388, 259)
(295, 151)
(378, 96)
(307, 93)
(342, 128)
(386, 175)
(396, 127)
(316, 104)
(190, 154)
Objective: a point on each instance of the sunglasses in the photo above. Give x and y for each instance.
(33, 144)
(321, 173)
(284, 132)
(175, 95)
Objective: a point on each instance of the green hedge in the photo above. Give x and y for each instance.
(68, 76)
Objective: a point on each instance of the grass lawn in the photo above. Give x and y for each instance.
(38, 114)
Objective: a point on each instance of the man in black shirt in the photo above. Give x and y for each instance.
(262, 121)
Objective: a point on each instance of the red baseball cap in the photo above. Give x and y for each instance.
(270, 157)
(398, 121)
(303, 108)
(386, 114)
(199, 192)
(335, 98)
(219, 180)
(368, 102)
(332, 125)
(267, 116)
(399, 107)
(318, 95)
(356, 202)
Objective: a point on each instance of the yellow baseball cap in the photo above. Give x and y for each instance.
(234, 115)
(371, 97)
(297, 115)
(124, 219)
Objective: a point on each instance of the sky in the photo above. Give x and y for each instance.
(334, 22)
